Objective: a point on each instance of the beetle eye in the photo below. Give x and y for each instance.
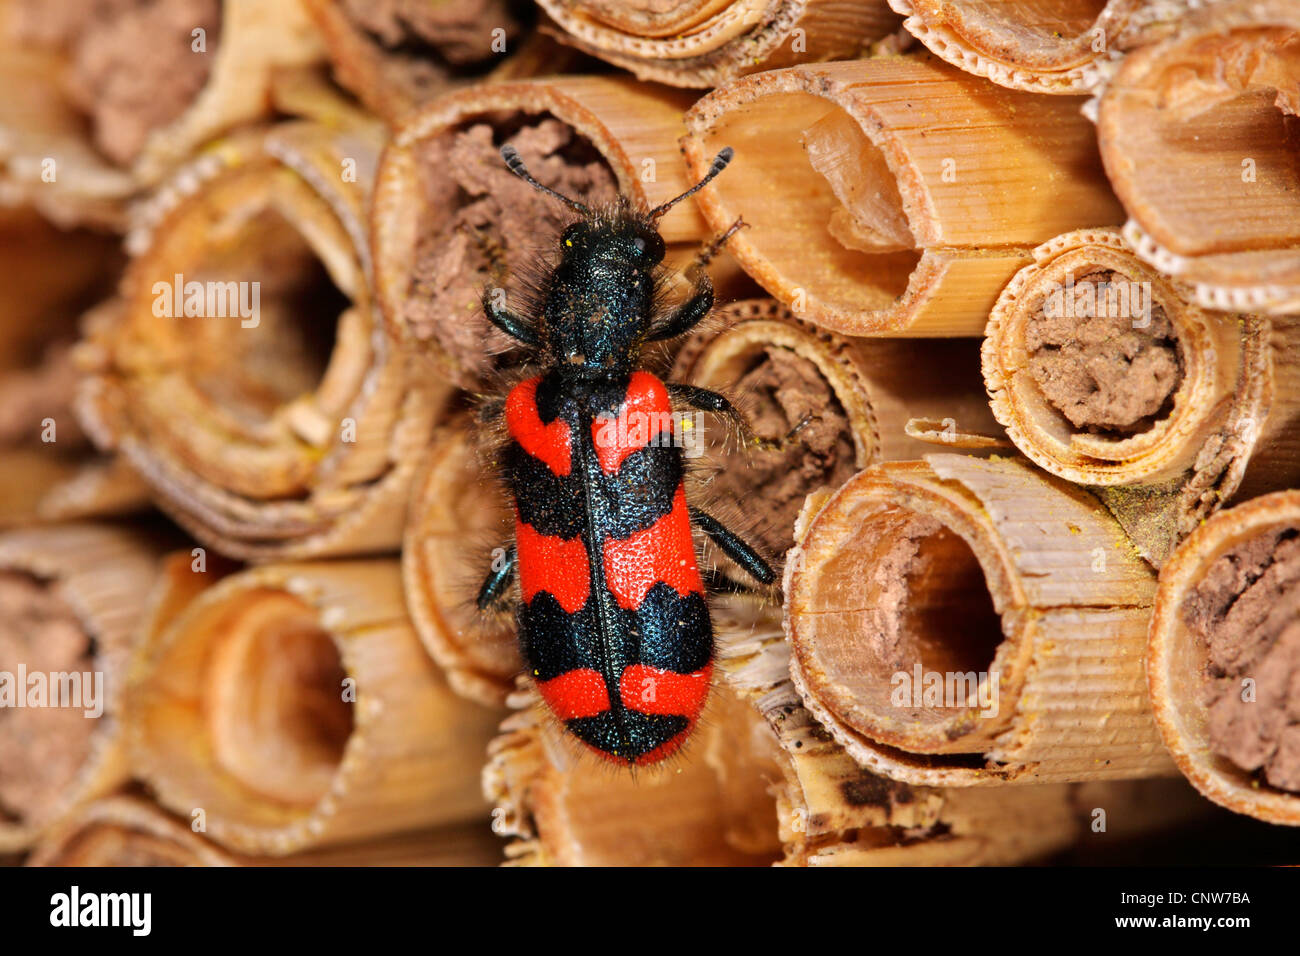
(651, 245)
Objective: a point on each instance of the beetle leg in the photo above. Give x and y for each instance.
(509, 323)
(709, 401)
(497, 580)
(734, 547)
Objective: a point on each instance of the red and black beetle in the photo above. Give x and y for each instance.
(613, 621)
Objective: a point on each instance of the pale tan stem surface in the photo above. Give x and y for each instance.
(101, 576)
(1178, 667)
(893, 196)
(1199, 135)
(290, 429)
(128, 831)
(987, 569)
(294, 706)
(708, 42)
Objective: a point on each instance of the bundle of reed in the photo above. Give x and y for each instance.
(397, 55)
(851, 401)
(1199, 134)
(129, 831)
(894, 196)
(703, 43)
(1062, 46)
(48, 469)
(72, 599)
(449, 219)
(1107, 374)
(101, 99)
(264, 426)
(1221, 658)
(291, 706)
(962, 621)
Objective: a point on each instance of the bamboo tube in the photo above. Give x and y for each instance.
(563, 810)
(440, 239)
(397, 56)
(1222, 642)
(1017, 590)
(47, 466)
(145, 86)
(278, 430)
(1061, 46)
(705, 43)
(453, 507)
(128, 831)
(1199, 134)
(862, 393)
(291, 706)
(894, 196)
(831, 812)
(1169, 410)
(73, 599)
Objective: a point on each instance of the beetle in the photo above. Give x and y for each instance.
(613, 621)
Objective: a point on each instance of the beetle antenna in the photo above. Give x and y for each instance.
(516, 164)
(718, 165)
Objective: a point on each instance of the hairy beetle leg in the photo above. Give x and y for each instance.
(493, 591)
(734, 547)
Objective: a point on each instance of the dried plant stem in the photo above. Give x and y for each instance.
(867, 214)
(705, 43)
(1199, 409)
(99, 577)
(294, 707)
(289, 432)
(1199, 134)
(128, 831)
(1197, 675)
(1020, 585)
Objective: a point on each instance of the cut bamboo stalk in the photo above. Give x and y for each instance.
(894, 196)
(831, 812)
(1221, 658)
(274, 430)
(46, 462)
(73, 596)
(962, 622)
(116, 99)
(1199, 134)
(860, 393)
(563, 810)
(705, 43)
(1106, 373)
(292, 706)
(453, 506)
(1058, 46)
(128, 831)
(397, 57)
(440, 239)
